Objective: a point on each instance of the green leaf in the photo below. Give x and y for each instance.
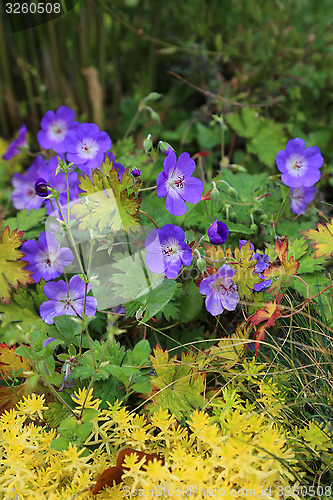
(141, 387)
(24, 221)
(84, 430)
(20, 318)
(246, 123)
(59, 444)
(110, 204)
(134, 278)
(69, 331)
(190, 302)
(89, 414)
(156, 299)
(179, 384)
(140, 354)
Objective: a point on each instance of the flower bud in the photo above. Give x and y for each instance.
(136, 172)
(218, 232)
(139, 314)
(232, 192)
(164, 147)
(147, 143)
(254, 227)
(215, 195)
(41, 187)
(201, 265)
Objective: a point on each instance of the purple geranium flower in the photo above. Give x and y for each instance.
(300, 197)
(66, 299)
(19, 142)
(261, 265)
(299, 165)
(176, 183)
(167, 250)
(86, 146)
(221, 291)
(218, 232)
(45, 258)
(54, 127)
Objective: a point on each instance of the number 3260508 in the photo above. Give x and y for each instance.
(33, 8)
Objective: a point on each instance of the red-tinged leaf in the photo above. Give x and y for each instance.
(12, 270)
(267, 317)
(269, 314)
(260, 336)
(322, 239)
(113, 475)
(286, 267)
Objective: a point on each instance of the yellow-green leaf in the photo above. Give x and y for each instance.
(322, 239)
(12, 270)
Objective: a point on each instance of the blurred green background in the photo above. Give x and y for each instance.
(204, 56)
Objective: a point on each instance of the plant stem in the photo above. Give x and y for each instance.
(144, 213)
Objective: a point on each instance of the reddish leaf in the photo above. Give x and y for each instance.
(285, 268)
(113, 475)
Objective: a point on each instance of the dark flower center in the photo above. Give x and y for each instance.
(47, 262)
(298, 164)
(180, 181)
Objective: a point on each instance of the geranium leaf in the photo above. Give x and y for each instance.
(245, 277)
(108, 203)
(10, 361)
(177, 386)
(12, 270)
(322, 239)
(284, 268)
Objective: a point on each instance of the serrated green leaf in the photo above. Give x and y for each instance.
(24, 221)
(140, 354)
(246, 123)
(107, 203)
(180, 385)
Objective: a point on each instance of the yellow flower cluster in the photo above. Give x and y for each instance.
(244, 455)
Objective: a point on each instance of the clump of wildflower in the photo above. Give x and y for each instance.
(167, 250)
(86, 146)
(221, 291)
(176, 183)
(20, 142)
(67, 300)
(299, 165)
(54, 127)
(46, 259)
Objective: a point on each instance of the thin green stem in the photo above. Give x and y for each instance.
(130, 126)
